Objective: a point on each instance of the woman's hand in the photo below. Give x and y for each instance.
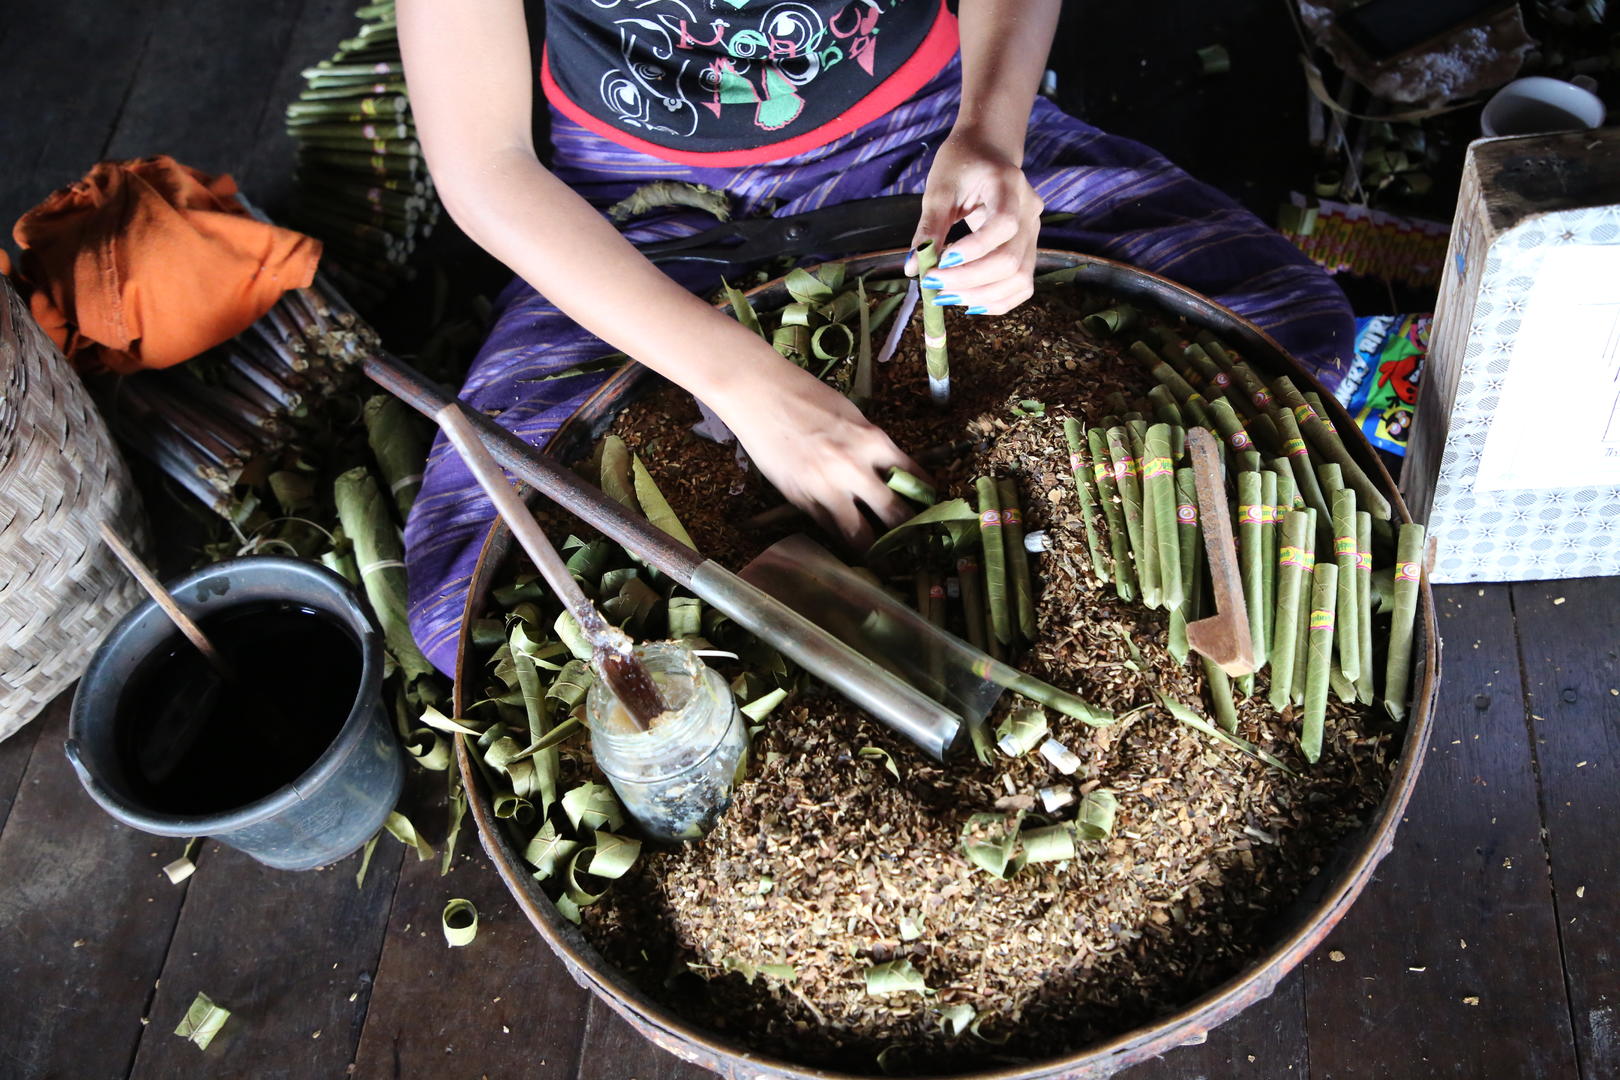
(816, 447)
(992, 270)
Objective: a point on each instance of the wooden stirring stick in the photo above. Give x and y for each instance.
(164, 599)
(1224, 636)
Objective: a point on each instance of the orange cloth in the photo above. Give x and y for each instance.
(144, 264)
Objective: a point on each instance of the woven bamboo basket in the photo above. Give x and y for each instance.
(60, 477)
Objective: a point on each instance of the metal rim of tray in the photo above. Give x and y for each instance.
(1313, 914)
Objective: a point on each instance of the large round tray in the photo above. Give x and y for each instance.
(1299, 929)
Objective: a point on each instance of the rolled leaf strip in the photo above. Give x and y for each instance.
(1085, 488)
(1095, 818)
(992, 547)
(460, 922)
(1327, 442)
(910, 487)
(1364, 683)
(1012, 532)
(1251, 559)
(1408, 572)
(1324, 599)
(934, 352)
(1159, 476)
(1347, 635)
(1292, 565)
(1124, 573)
(1111, 320)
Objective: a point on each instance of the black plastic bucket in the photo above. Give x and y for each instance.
(323, 814)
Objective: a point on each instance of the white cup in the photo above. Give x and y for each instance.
(1538, 104)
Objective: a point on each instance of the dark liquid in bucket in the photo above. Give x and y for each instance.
(191, 742)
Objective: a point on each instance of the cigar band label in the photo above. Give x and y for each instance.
(1304, 412)
(936, 592)
(1294, 447)
(1101, 471)
(990, 519)
(1344, 545)
(1250, 514)
(380, 145)
(1292, 556)
(1262, 399)
(378, 88)
(368, 106)
(1222, 379)
(1240, 440)
(1124, 468)
(1364, 561)
(1321, 620)
(1011, 516)
(1187, 514)
(1195, 398)
(932, 342)
(379, 162)
(1406, 571)
(369, 131)
(1075, 464)
(1156, 467)
(380, 68)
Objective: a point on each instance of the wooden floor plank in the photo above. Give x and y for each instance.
(69, 69)
(292, 955)
(611, 1047)
(1448, 964)
(1264, 1042)
(1569, 637)
(15, 751)
(502, 1006)
(85, 920)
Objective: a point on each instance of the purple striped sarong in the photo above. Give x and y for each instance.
(1131, 205)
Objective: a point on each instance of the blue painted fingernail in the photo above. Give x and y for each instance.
(929, 281)
(946, 299)
(952, 258)
(977, 310)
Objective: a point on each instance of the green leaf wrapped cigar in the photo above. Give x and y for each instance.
(357, 143)
(934, 352)
(1326, 440)
(1299, 459)
(363, 71)
(1302, 651)
(910, 487)
(1111, 320)
(1128, 480)
(1288, 497)
(992, 546)
(1364, 683)
(1124, 571)
(1159, 478)
(360, 163)
(1293, 563)
(1270, 520)
(1324, 599)
(973, 612)
(1408, 572)
(380, 105)
(1347, 636)
(1249, 461)
(1229, 426)
(351, 89)
(1188, 545)
(1012, 531)
(1193, 405)
(1331, 479)
(381, 560)
(1165, 406)
(1085, 489)
(1251, 556)
(399, 442)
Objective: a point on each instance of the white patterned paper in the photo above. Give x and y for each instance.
(1527, 488)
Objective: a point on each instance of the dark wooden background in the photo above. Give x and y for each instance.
(1483, 949)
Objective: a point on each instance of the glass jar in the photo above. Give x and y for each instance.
(676, 777)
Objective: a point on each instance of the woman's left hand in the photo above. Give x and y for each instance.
(991, 270)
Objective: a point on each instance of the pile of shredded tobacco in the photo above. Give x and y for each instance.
(833, 916)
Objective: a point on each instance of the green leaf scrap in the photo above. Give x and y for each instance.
(202, 1021)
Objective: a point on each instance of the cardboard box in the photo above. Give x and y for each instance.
(1514, 459)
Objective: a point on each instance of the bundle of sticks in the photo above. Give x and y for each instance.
(204, 423)
(362, 185)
